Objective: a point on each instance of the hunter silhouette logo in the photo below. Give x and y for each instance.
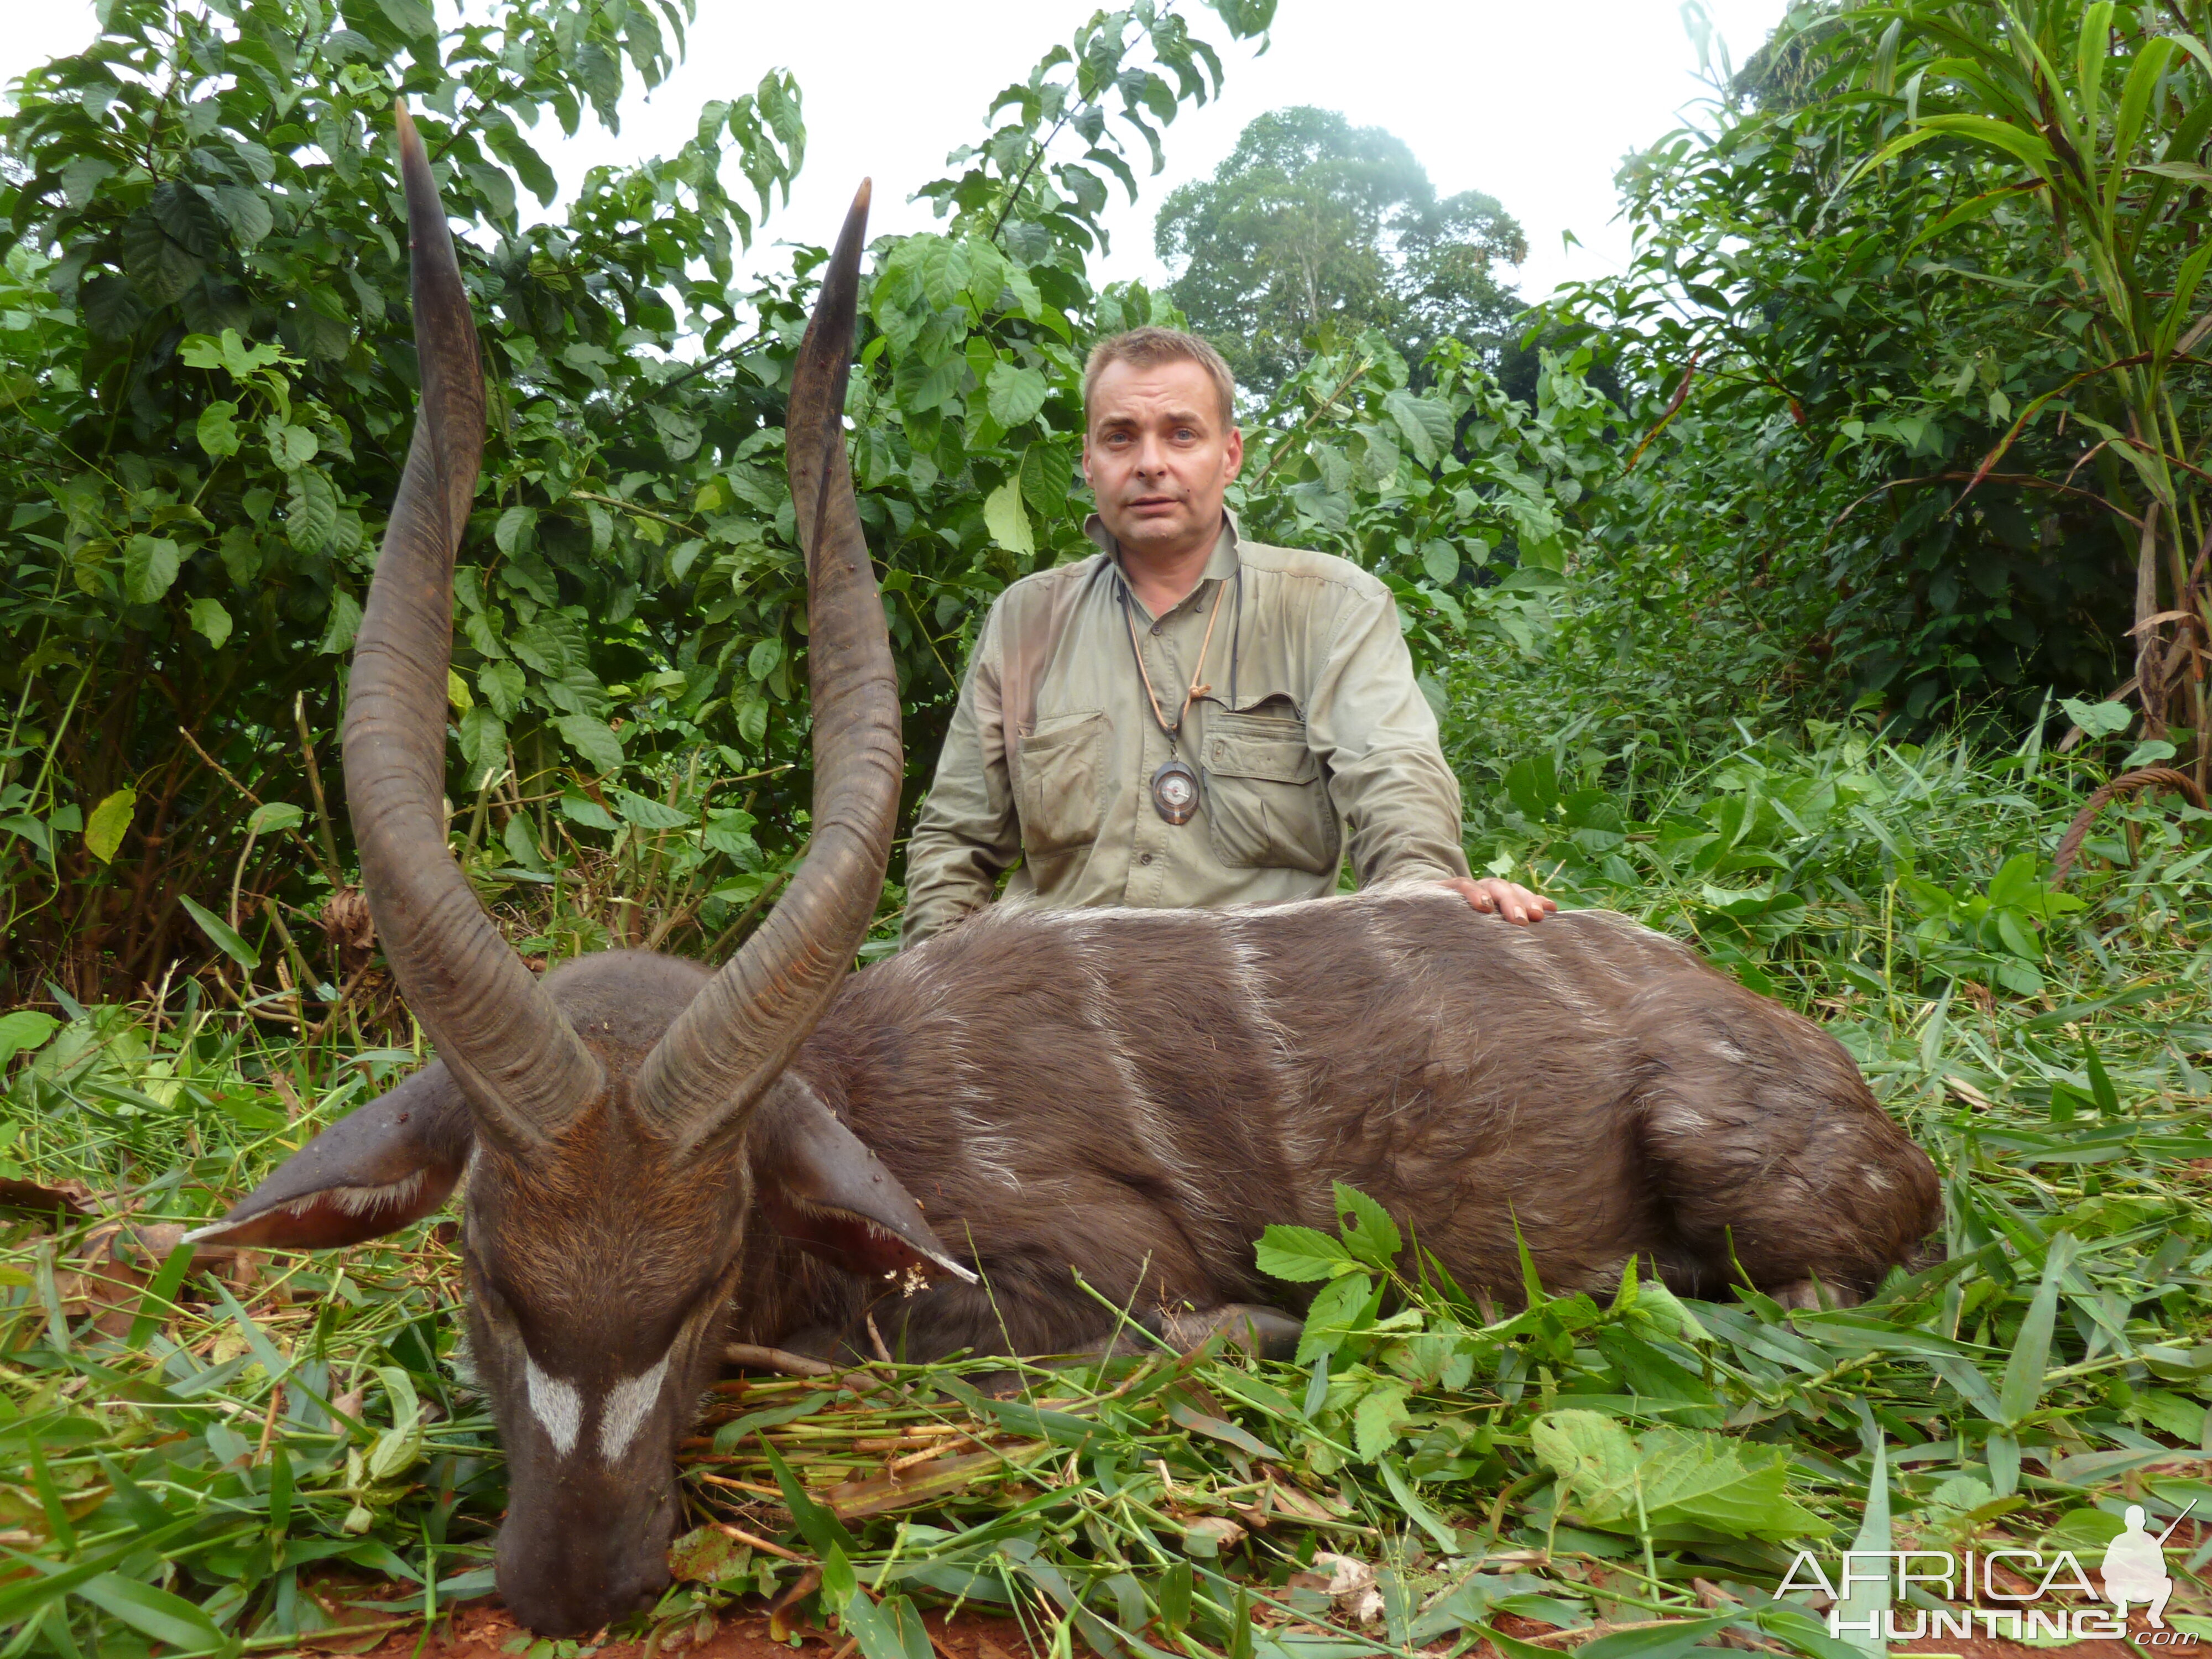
(2134, 1567)
(1978, 1585)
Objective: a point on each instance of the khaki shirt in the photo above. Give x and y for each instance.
(1311, 739)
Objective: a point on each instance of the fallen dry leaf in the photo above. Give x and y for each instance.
(70, 1197)
(1351, 1586)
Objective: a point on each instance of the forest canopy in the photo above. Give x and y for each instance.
(1313, 223)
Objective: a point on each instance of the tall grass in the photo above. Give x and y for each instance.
(268, 1447)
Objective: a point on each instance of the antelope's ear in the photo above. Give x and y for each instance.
(381, 1166)
(818, 1185)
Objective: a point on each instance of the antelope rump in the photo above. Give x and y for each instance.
(662, 1158)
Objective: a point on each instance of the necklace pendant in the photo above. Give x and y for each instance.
(1175, 792)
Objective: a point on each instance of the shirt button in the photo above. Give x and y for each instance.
(1156, 628)
(1146, 858)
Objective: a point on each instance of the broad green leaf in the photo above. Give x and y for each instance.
(1015, 394)
(2099, 719)
(154, 1612)
(1047, 474)
(580, 808)
(496, 188)
(344, 622)
(1655, 1302)
(483, 743)
(22, 1029)
(159, 267)
(1338, 1303)
(149, 566)
(1369, 1233)
(221, 934)
(649, 814)
(1441, 561)
(246, 212)
(521, 844)
(457, 693)
(765, 658)
(516, 531)
(1426, 423)
(925, 386)
(291, 447)
(274, 816)
(241, 552)
(1300, 1254)
(311, 510)
(1669, 1476)
(399, 1448)
(413, 18)
(211, 621)
(501, 685)
(1379, 1419)
(1004, 517)
(241, 359)
(217, 429)
(942, 265)
(81, 176)
(105, 828)
(594, 739)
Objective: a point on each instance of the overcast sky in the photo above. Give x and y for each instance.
(1534, 104)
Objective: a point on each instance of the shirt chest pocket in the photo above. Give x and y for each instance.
(1266, 803)
(1061, 795)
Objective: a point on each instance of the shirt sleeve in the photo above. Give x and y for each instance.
(1370, 725)
(967, 835)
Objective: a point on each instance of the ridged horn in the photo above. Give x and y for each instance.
(712, 1065)
(518, 1061)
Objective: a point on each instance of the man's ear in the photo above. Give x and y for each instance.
(381, 1166)
(820, 1188)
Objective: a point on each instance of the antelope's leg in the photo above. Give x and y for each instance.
(1264, 1332)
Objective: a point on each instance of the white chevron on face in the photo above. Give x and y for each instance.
(557, 1406)
(628, 1405)
(560, 1408)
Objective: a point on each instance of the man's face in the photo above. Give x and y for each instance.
(1159, 456)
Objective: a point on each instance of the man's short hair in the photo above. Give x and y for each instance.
(1148, 348)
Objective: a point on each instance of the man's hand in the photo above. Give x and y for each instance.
(1508, 899)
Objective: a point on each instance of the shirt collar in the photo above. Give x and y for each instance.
(1219, 567)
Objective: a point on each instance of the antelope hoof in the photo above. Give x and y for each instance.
(1263, 1333)
(1812, 1296)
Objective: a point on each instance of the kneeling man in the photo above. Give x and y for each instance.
(1186, 717)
